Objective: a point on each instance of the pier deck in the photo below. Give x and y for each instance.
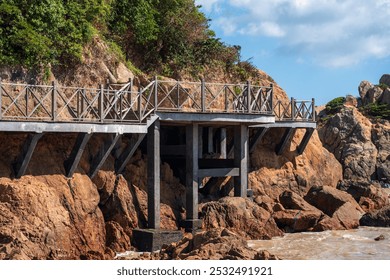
(205, 111)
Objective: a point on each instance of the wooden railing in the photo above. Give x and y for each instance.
(122, 103)
(295, 110)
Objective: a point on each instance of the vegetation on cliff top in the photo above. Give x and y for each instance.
(164, 36)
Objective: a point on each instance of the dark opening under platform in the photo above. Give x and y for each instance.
(149, 240)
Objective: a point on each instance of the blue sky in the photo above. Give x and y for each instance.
(312, 48)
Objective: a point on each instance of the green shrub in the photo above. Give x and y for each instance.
(37, 33)
(335, 105)
(376, 110)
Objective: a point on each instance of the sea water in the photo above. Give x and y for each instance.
(356, 244)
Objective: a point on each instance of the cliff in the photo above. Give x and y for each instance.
(44, 215)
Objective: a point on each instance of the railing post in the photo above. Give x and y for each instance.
(131, 90)
(249, 97)
(226, 100)
(101, 103)
(313, 109)
(271, 98)
(202, 95)
(292, 108)
(140, 105)
(1, 99)
(54, 102)
(155, 93)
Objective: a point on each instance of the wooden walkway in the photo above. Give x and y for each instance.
(205, 111)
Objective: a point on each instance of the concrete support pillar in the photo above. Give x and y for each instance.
(200, 142)
(223, 143)
(210, 146)
(153, 146)
(241, 160)
(192, 181)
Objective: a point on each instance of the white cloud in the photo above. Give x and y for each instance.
(208, 5)
(266, 28)
(332, 33)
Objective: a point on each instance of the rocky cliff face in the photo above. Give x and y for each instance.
(362, 145)
(44, 215)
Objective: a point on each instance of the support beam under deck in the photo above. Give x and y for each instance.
(102, 155)
(261, 131)
(305, 140)
(124, 158)
(72, 162)
(286, 139)
(21, 164)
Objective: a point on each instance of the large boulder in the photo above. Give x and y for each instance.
(385, 79)
(379, 218)
(381, 139)
(297, 220)
(374, 95)
(50, 217)
(291, 200)
(241, 216)
(348, 136)
(338, 205)
(370, 196)
(386, 96)
(364, 87)
(215, 244)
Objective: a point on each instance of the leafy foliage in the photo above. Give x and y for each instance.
(334, 105)
(376, 110)
(39, 32)
(165, 36)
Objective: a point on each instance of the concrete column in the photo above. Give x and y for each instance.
(241, 160)
(192, 181)
(153, 146)
(192, 171)
(210, 146)
(223, 143)
(200, 142)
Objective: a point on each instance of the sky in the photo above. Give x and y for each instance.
(311, 48)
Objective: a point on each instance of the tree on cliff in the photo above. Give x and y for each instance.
(164, 36)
